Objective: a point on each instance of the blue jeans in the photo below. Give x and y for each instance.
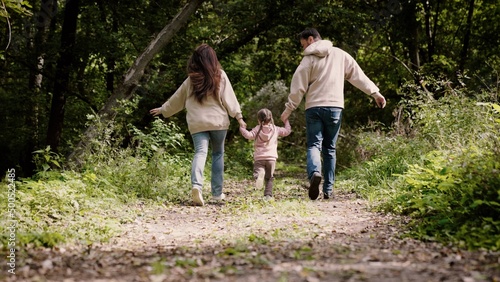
(201, 141)
(322, 127)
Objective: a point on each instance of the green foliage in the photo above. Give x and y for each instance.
(154, 166)
(379, 156)
(444, 175)
(162, 136)
(16, 6)
(239, 157)
(454, 196)
(60, 207)
(46, 159)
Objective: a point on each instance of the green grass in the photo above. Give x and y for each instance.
(53, 211)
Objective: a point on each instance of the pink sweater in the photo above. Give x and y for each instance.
(266, 144)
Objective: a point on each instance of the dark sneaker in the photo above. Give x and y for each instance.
(328, 195)
(314, 186)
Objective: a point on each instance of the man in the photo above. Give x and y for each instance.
(320, 77)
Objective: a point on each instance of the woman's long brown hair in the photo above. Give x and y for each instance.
(204, 70)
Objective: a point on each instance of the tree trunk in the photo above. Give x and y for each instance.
(126, 89)
(110, 53)
(431, 25)
(42, 20)
(465, 46)
(63, 70)
(412, 42)
(435, 27)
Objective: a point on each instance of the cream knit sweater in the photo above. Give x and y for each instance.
(321, 75)
(212, 114)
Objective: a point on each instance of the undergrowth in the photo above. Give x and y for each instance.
(445, 175)
(64, 205)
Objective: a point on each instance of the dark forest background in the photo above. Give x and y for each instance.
(61, 61)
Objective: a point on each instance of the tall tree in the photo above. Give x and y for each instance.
(43, 20)
(431, 26)
(63, 72)
(412, 30)
(466, 42)
(131, 78)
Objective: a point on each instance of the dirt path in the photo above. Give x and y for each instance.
(336, 240)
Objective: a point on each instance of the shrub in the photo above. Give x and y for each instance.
(57, 204)
(454, 196)
(445, 175)
(62, 206)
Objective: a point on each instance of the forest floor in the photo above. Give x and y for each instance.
(323, 240)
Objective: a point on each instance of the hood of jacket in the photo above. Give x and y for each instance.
(320, 48)
(266, 132)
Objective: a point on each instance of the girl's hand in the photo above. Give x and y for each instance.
(155, 111)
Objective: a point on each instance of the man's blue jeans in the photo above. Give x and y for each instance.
(322, 127)
(201, 141)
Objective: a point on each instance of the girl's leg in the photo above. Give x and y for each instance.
(269, 177)
(258, 174)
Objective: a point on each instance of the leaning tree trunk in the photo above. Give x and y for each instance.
(131, 78)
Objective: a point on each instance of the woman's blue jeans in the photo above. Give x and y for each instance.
(322, 127)
(201, 141)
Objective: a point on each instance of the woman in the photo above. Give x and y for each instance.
(209, 99)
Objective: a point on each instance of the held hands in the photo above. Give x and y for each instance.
(242, 123)
(284, 116)
(155, 111)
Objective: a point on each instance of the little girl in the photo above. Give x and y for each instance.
(265, 154)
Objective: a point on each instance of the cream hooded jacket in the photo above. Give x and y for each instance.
(321, 75)
(212, 114)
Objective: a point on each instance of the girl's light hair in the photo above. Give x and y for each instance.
(264, 116)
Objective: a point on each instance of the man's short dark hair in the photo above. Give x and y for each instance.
(309, 32)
